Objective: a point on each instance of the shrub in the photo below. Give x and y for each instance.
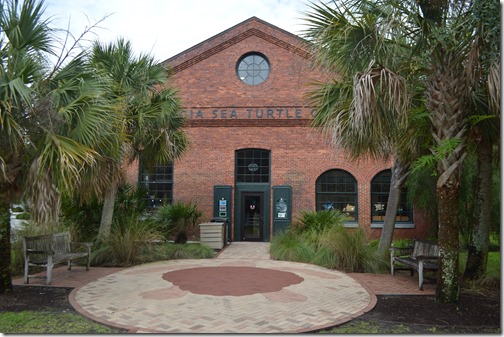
(188, 251)
(325, 257)
(126, 244)
(321, 238)
(312, 224)
(351, 250)
(85, 215)
(169, 251)
(177, 219)
(313, 221)
(494, 242)
(289, 246)
(403, 243)
(130, 202)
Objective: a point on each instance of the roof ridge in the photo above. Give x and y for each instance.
(235, 39)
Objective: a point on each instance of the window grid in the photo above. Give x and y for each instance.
(380, 189)
(253, 69)
(252, 166)
(159, 184)
(337, 189)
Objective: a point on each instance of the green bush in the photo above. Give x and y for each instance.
(130, 202)
(321, 238)
(312, 225)
(126, 244)
(494, 242)
(318, 222)
(289, 246)
(175, 251)
(351, 250)
(403, 243)
(84, 216)
(325, 257)
(177, 219)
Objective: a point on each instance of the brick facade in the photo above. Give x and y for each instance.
(226, 115)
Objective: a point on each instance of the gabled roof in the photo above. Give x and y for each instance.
(250, 27)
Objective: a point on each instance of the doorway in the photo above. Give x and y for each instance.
(252, 216)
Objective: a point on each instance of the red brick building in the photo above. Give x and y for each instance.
(254, 158)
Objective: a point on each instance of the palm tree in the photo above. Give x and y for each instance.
(148, 113)
(429, 40)
(366, 109)
(49, 120)
(485, 131)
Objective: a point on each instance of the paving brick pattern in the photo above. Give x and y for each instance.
(140, 300)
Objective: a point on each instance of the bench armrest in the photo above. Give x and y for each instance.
(33, 251)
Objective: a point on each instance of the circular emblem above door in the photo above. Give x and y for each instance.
(253, 167)
(253, 68)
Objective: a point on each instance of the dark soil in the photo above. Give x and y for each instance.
(475, 313)
(52, 299)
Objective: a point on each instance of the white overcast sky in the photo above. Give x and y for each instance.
(164, 28)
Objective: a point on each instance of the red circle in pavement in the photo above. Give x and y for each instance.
(231, 281)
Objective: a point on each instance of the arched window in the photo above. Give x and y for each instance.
(159, 184)
(337, 189)
(252, 166)
(380, 188)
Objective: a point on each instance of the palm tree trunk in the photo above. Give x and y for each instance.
(399, 173)
(447, 102)
(5, 250)
(107, 213)
(447, 290)
(44, 197)
(478, 247)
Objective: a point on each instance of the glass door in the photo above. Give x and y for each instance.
(252, 216)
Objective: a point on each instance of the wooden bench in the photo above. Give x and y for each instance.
(423, 255)
(48, 250)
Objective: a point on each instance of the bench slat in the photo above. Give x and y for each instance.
(47, 250)
(425, 255)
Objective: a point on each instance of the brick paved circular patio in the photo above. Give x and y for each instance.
(193, 296)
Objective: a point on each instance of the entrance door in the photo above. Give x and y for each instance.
(252, 219)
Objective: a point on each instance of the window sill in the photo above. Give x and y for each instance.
(351, 224)
(397, 225)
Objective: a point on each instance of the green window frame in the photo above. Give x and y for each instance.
(337, 189)
(253, 166)
(158, 181)
(380, 189)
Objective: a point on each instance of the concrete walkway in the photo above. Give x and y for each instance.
(139, 299)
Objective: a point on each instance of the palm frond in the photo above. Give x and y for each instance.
(65, 159)
(380, 99)
(24, 27)
(494, 87)
(96, 179)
